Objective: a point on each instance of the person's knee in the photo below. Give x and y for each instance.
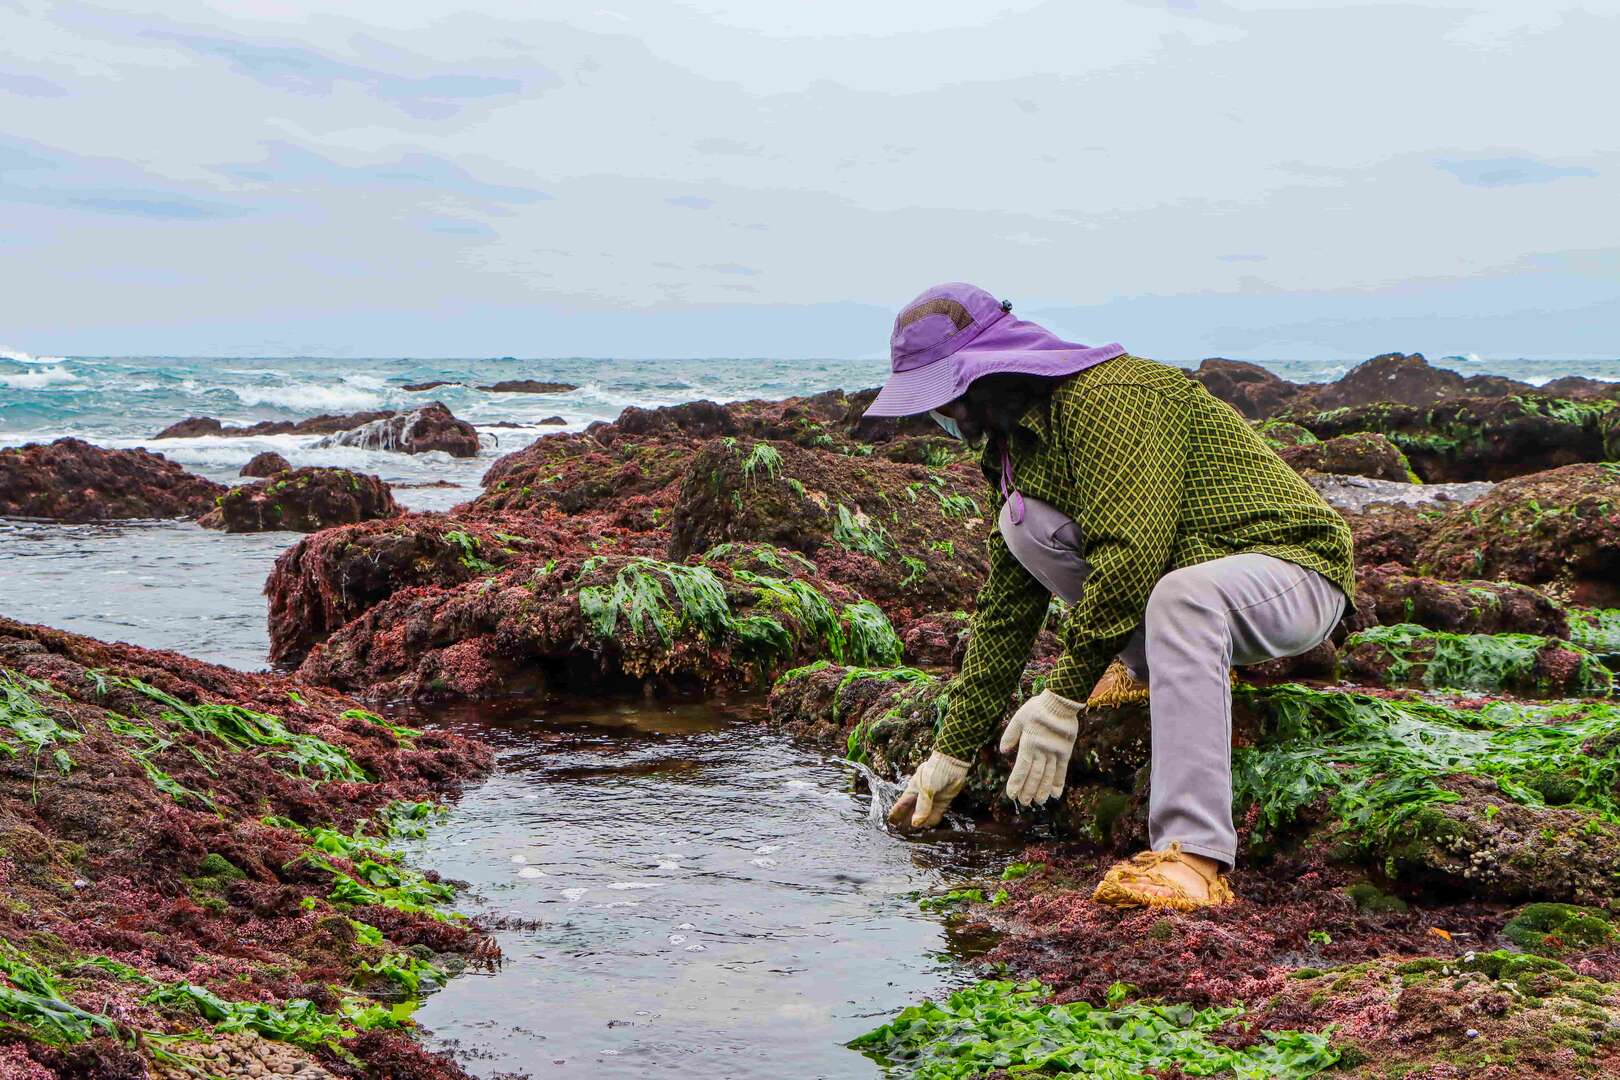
(1183, 604)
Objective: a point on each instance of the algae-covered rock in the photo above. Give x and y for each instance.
(1409, 655)
(603, 622)
(303, 500)
(1280, 434)
(1469, 607)
(1550, 929)
(1361, 454)
(1391, 532)
(72, 481)
(1464, 439)
(908, 536)
(328, 579)
(1497, 1015)
(1559, 528)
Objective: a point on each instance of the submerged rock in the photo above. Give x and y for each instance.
(1476, 438)
(70, 480)
(1559, 528)
(303, 500)
(429, 428)
(266, 463)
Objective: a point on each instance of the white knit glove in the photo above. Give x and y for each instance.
(929, 792)
(1043, 731)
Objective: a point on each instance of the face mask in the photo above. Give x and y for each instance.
(947, 423)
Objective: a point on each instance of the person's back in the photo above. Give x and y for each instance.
(1238, 494)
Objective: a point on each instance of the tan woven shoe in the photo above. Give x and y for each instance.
(1117, 688)
(1121, 886)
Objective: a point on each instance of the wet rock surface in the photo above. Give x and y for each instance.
(1362, 454)
(302, 500)
(198, 426)
(432, 427)
(70, 480)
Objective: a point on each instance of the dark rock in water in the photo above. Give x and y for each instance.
(1579, 386)
(908, 536)
(1559, 528)
(197, 426)
(303, 500)
(1411, 381)
(529, 386)
(265, 464)
(1474, 438)
(1464, 607)
(1252, 390)
(432, 427)
(434, 385)
(1363, 454)
(553, 420)
(70, 480)
(334, 576)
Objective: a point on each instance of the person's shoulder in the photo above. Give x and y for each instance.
(1123, 373)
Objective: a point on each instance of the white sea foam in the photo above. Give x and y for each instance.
(40, 379)
(27, 358)
(312, 397)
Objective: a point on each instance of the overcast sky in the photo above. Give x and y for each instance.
(764, 177)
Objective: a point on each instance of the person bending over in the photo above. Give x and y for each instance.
(1183, 544)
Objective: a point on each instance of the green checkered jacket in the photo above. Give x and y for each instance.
(1158, 474)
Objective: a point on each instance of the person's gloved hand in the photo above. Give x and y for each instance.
(1043, 731)
(929, 792)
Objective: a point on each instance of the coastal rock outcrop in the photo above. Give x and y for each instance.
(193, 427)
(161, 817)
(528, 386)
(908, 536)
(1409, 379)
(1462, 607)
(1361, 454)
(603, 622)
(432, 427)
(302, 500)
(1254, 391)
(1461, 439)
(1559, 529)
(265, 463)
(71, 480)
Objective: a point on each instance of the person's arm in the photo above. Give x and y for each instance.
(1128, 454)
(1010, 610)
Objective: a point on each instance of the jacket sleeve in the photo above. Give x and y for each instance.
(1010, 611)
(1127, 448)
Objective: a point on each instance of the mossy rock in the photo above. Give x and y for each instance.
(1549, 929)
(1411, 655)
(1371, 900)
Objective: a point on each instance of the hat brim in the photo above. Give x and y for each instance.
(909, 393)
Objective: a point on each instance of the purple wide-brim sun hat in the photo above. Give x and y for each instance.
(954, 334)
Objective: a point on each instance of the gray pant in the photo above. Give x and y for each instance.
(1199, 621)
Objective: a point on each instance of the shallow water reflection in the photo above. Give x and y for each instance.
(711, 898)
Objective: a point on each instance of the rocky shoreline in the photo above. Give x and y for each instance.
(1430, 803)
